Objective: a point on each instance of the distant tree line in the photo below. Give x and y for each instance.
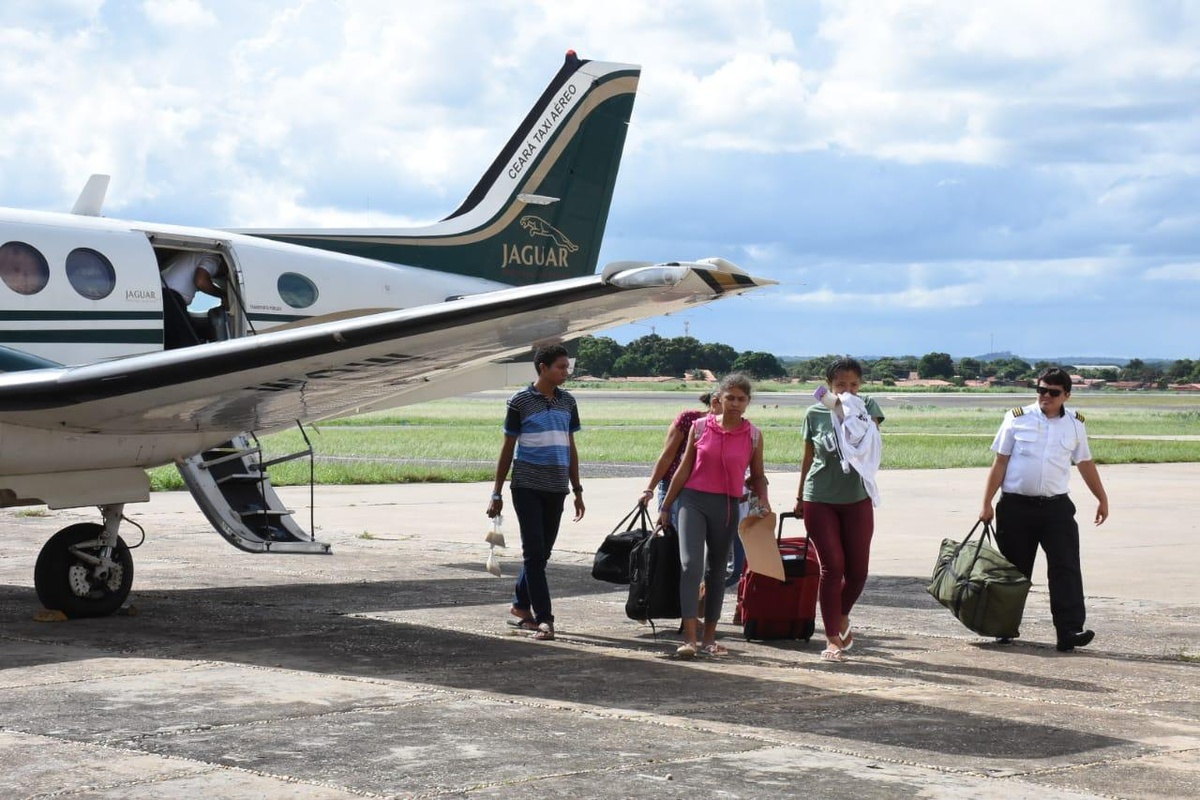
(676, 357)
(655, 355)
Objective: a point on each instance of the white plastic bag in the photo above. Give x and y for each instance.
(495, 539)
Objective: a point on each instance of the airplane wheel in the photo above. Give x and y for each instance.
(66, 582)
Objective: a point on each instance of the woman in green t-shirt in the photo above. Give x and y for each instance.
(838, 514)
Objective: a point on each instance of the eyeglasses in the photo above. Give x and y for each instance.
(1049, 391)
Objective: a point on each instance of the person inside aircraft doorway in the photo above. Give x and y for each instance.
(184, 275)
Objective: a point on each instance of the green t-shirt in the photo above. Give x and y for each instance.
(826, 483)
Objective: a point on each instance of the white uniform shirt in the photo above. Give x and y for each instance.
(1041, 451)
(180, 274)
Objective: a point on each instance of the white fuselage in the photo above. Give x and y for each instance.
(60, 323)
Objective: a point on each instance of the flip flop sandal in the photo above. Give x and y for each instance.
(544, 633)
(832, 654)
(524, 624)
(847, 634)
(714, 649)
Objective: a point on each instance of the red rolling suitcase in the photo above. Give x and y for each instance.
(773, 609)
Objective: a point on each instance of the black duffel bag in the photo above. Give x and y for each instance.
(612, 559)
(654, 577)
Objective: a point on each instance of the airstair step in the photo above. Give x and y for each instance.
(232, 456)
(265, 512)
(240, 477)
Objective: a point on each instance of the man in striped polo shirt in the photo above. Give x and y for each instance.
(540, 426)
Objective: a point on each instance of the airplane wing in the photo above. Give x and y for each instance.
(338, 367)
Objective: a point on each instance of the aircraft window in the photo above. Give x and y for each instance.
(296, 290)
(23, 268)
(90, 273)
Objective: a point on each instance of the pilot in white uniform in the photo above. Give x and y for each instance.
(1035, 448)
(186, 274)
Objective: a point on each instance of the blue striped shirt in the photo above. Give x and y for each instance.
(543, 429)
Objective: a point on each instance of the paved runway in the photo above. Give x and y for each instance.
(387, 669)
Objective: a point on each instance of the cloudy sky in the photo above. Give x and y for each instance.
(919, 176)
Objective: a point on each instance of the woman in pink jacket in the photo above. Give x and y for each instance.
(709, 484)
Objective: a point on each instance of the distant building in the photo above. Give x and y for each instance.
(930, 382)
(1097, 367)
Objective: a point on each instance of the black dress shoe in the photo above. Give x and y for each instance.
(1069, 641)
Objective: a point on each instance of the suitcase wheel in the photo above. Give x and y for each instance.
(804, 629)
(750, 630)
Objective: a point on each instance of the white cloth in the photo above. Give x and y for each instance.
(180, 274)
(1041, 450)
(859, 444)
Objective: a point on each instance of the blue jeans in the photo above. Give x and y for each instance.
(538, 515)
(663, 485)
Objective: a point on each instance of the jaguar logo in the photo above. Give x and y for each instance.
(538, 255)
(539, 227)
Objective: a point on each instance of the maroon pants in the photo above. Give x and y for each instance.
(841, 532)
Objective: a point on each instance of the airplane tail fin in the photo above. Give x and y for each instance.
(539, 211)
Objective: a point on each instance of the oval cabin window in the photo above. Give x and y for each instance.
(90, 273)
(296, 290)
(23, 268)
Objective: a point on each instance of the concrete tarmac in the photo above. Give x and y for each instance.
(388, 670)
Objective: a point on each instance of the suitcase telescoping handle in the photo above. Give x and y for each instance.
(779, 531)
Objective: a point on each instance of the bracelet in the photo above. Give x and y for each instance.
(497, 496)
(648, 491)
(578, 490)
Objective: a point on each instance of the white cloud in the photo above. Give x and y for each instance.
(941, 286)
(178, 14)
(1175, 272)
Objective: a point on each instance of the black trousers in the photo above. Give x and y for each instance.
(177, 323)
(1023, 523)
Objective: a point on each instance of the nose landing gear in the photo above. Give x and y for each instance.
(85, 570)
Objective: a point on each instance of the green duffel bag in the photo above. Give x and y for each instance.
(980, 586)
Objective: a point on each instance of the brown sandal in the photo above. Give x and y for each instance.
(544, 633)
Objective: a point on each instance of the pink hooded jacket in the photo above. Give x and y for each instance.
(722, 457)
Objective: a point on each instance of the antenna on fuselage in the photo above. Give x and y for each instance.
(91, 199)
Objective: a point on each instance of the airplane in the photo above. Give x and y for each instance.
(311, 325)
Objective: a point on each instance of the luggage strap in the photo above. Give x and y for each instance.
(633, 518)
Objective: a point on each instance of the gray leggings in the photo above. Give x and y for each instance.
(704, 519)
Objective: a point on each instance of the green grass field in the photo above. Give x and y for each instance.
(457, 440)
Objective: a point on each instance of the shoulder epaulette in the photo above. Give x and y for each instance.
(1018, 411)
(1079, 416)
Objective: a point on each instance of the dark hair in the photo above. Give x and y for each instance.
(706, 399)
(1056, 376)
(545, 356)
(735, 380)
(843, 364)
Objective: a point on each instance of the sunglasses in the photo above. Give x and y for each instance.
(1049, 391)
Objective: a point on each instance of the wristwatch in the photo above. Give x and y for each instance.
(497, 496)
(578, 490)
